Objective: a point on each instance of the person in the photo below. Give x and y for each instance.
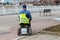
(24, 16)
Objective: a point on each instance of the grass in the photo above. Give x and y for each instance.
(55, 28)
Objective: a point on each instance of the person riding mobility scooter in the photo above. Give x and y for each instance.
(25, 19)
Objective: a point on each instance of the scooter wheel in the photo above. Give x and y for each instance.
(30, 32)
(19, 32)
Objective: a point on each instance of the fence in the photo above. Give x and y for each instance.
(8, 9)
(12, 9)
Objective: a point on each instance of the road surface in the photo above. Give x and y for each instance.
(9, 24)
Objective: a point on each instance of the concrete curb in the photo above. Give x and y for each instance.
(23, 37)
(8, 14)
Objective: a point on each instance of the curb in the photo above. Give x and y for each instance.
(8, 14)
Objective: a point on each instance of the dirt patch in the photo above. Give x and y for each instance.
(55, 28)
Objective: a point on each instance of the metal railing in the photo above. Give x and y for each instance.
(11, 9)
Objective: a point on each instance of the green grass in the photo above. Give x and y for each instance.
(55, 28)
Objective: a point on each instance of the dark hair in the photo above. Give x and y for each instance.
(24, 6)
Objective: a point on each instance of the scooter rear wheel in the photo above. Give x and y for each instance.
(30, 31)
(19, 31)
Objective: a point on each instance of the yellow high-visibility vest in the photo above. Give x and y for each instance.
(23, 18)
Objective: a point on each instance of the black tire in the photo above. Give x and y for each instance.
(30, 32)
(19, 32)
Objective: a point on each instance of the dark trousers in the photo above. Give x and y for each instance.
(22, 25)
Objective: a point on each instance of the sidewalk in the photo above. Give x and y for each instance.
(38, 23)
(40, 37)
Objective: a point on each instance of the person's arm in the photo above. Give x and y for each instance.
(30, 16)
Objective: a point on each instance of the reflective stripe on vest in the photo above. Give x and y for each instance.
(23, 18)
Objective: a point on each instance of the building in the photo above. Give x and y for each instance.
(42, 2)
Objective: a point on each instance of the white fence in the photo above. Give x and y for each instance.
(11, 9)
(8, 9)
(41, 8)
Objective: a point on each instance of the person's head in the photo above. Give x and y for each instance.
(24, 7)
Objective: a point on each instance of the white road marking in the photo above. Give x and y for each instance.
(56, 19)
